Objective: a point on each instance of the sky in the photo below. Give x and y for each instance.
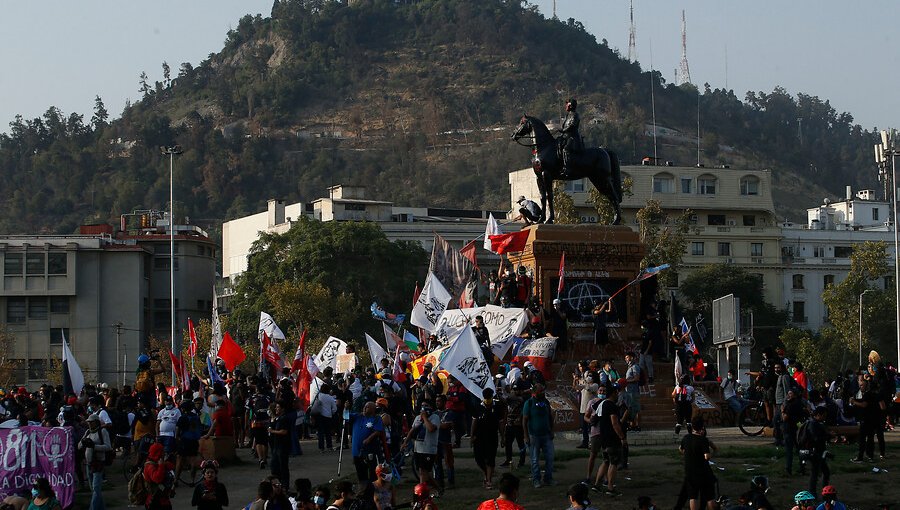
(65, 53)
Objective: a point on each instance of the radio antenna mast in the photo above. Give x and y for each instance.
(684, 74)
(632, 45)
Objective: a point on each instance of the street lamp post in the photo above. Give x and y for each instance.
(861, 323)
(882, 151)
(172, 151)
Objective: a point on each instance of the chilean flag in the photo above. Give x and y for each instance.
(505, 243)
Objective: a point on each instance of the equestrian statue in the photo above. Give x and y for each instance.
(564, 159)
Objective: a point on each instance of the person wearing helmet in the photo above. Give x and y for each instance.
(210, 494)
(569, 139)
(529, 211)
(385, 497)
(759, 486)
(145, 378)
(829, 499)
(804, 500)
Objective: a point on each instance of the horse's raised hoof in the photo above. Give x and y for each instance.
(548, 222)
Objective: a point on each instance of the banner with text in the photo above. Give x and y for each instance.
(327, 356)
(465, 361)
(27, 453)
(539, 351)
(502, 324)
(431, 304)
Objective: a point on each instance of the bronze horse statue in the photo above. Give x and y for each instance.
(597, 164)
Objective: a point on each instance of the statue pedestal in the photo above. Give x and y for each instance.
(600, 260)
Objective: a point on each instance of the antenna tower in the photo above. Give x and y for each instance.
(684, 74)
(632, 46)
(554, 9)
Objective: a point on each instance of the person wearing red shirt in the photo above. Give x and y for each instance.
(800, 376)
(509, 493)
(158, 474)
(222, 424)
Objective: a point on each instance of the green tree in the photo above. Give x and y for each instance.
(605, 210)
(868, 264)
(346, 264)
(821, 354)
(563, 205)
(665, 239)
(98, 120)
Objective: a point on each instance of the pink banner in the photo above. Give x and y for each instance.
(27, 453)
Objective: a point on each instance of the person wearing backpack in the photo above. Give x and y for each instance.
(793, 412)
(190, 430)
(97, 446)
(122, 421)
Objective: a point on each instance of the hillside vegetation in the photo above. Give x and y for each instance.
(414, 99)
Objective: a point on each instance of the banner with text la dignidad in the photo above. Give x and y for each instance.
(27, 453)
(539, 351)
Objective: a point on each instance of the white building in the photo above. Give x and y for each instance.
(817, 254)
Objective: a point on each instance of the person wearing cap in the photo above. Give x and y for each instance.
(145, 378)
(96, 444)
(529, 211)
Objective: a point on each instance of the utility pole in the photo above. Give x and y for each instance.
(171, 152)
(119, 370)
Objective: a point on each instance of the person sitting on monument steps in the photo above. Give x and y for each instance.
(569, 140)
(529, 211)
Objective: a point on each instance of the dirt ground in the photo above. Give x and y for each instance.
(655, 470)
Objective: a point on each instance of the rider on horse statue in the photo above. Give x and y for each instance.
(569, 139)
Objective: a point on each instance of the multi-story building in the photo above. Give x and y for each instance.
(732, 212)
(105, 291)
(349, 203)
(817, 254)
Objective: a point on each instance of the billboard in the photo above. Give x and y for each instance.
(725, 319)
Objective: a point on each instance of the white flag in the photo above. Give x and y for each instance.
(327, 356)
(72, 375)
(502, 324)
(216, 340)
(391, 339)
(431, 304)
(376, 351)
(491, 229)
(465, 362)
(267, 324)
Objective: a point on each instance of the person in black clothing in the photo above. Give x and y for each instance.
(868, 410)
(508, 289)
(280, 441)
(570, 139)
(756, 497)
(818, 456)
(793, 412)
(559, 326)
(601, 318)
(210, 494)
(699, 484)
(493, 287)
(483, 336)
(612, 440)
(513, 424)
(485, 432)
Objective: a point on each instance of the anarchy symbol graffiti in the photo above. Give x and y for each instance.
(582, 297)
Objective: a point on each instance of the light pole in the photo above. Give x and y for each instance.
(861, 324)
(118, 327)
(172, 151)
(882, 151)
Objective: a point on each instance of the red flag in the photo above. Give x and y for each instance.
(298, 364)
(399, 373)
(505, 243)
(181, 370)
(301, 387)
(562, 275)
(416, 294)
(468, 251)
(271, 353)
(192, 350)
(230, 352)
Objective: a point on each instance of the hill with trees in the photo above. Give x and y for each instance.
(416, 99)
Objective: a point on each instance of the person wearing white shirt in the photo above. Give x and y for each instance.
(166, 424)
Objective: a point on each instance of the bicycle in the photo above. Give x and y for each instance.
(753, 419)
(134, 461)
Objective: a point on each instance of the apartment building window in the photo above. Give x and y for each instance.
(57, 334)
(697, 248)
(162, 264)
(798, 312)
(715, 219)
(724, 249)
(874, 214)
(34, 263)
(706, 185)
(59, 304)
(797, 282)
(37, 369)
(818, 251)
(842, 252)
(663, 183)
(888, 282)
(749, 186)
(12, 264)
(756, 249)
(15, 310)
(37, 308)
(749, 220)
(576, 186)
(686, 183)
(57, 263)
(354, 207)
(827, 280)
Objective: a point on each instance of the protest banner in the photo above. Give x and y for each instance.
(502, 324)
(27, 453)
(327, 356)
(539, 351)
(434, 357)
(431, 304)
(344, 363)
(464, 361)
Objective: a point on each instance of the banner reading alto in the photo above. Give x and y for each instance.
(27, 453)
